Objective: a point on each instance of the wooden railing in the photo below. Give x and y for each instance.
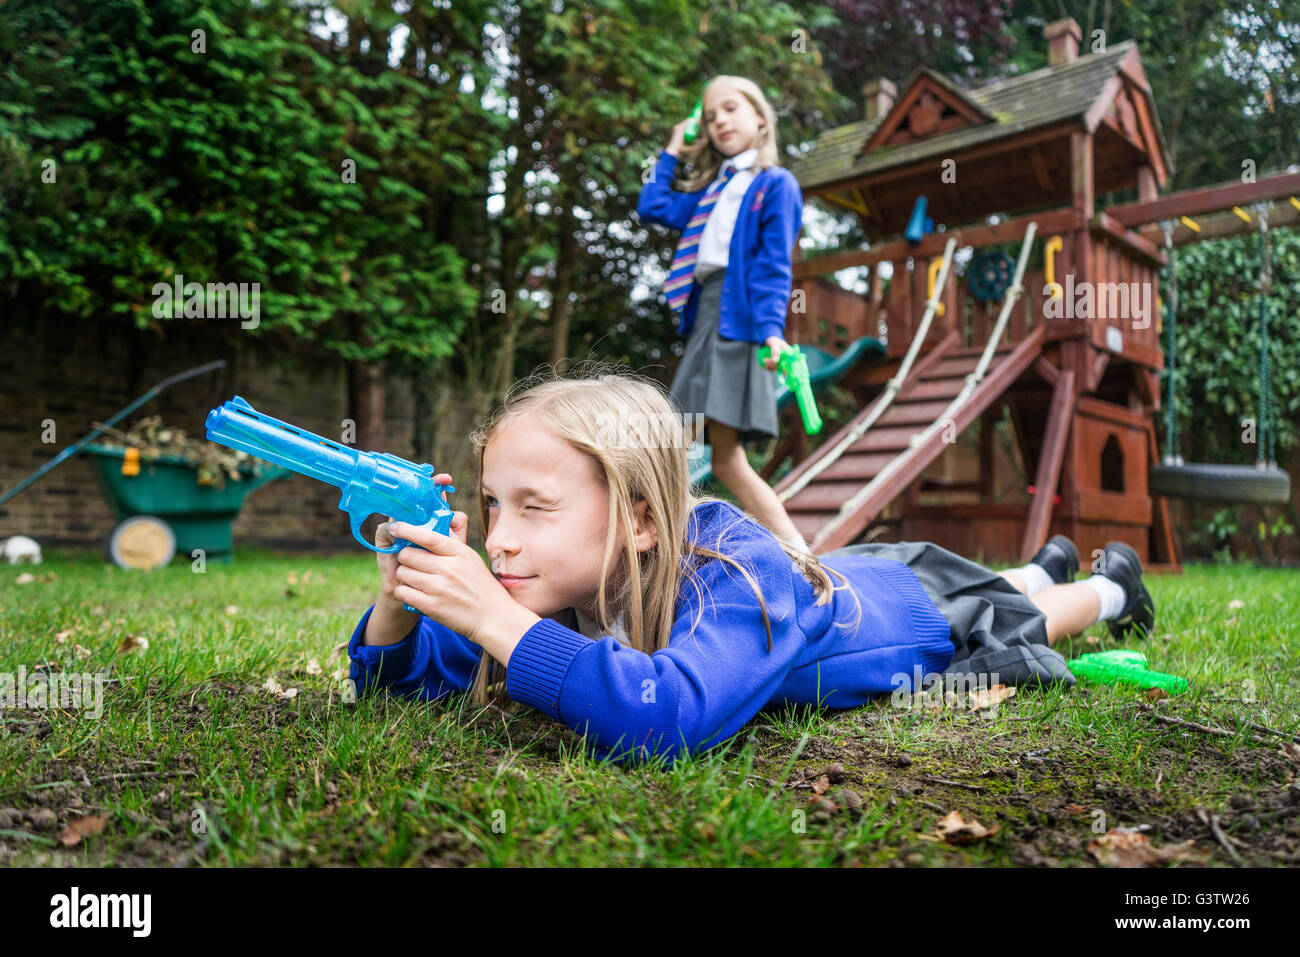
(833, 317)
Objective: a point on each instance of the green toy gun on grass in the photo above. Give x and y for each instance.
(794, 371)
(1123, 666)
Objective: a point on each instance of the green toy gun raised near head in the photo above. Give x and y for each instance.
(1123, 666)
(693, 122)
(794, 370)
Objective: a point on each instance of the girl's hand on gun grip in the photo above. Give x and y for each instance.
(678, 139)
(387, 562)
(776, 345)
(384, 538)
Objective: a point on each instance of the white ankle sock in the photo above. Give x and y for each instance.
(1035, 577)
(1111, 594)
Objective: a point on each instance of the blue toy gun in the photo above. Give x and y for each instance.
(371, 481)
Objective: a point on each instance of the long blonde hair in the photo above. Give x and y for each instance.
(705, 159)
(581, 406)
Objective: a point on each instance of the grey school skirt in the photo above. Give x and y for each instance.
(996, 631)
(721, 378)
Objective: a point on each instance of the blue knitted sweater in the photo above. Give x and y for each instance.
(717, 672)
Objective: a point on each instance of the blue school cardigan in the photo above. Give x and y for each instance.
(756, 288)
(704, 687)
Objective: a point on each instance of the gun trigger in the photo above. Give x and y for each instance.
(356, 521)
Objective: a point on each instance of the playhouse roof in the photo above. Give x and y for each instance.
(934, 119)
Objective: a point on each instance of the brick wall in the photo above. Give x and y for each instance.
(77, 373)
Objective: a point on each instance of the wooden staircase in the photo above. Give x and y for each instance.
(836, 505)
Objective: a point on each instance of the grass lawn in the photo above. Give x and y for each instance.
(195, 761)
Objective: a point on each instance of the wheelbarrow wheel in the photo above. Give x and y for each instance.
(142, 541)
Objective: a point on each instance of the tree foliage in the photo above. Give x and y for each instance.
(212, 140)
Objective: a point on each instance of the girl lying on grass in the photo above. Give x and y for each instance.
(659, 622)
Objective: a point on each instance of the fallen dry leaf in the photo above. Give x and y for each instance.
(338, 649)
(232, 609)
(1128, 847)
(26, 578)
(1235, 604)
(1155, 694)
(292, 578)
(311, 667)
(81, 652)
(82, 827)
(132, 643)
(988, 697)
(274, 686)
(954, 830)
(63, 636)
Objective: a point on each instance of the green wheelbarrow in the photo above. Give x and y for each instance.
(163, 509)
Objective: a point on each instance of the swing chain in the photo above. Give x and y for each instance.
(1266, 451)
(1173, 454)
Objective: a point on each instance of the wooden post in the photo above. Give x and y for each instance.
(1146, 183)
(1077, 352)
(988, 422)
(1049, 465)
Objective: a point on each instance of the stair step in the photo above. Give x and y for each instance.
(822, 497)
(856, 466)
(810, 523)
(916, 412)
(966, 351)
(932, 389)
(952, 367)
(885, 440)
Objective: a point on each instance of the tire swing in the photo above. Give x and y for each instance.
(1263, 483)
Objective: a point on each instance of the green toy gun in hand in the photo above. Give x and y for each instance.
(794, 371)
(1123, 666)
(693, 122)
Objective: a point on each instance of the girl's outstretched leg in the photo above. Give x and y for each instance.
(734, 471)
(1070, 609)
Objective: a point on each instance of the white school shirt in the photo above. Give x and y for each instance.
(715, 241)
(588, 627)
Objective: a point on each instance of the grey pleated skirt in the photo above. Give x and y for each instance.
(722, 378)
(996, 631)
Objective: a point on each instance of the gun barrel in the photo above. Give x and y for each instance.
(238, 425)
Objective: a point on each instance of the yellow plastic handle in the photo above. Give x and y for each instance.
(1050, 249)
(935, 264)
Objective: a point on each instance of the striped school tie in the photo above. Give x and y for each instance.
(682, 274)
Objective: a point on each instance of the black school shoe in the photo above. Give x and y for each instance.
(1122, 566)
(1059, 558)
